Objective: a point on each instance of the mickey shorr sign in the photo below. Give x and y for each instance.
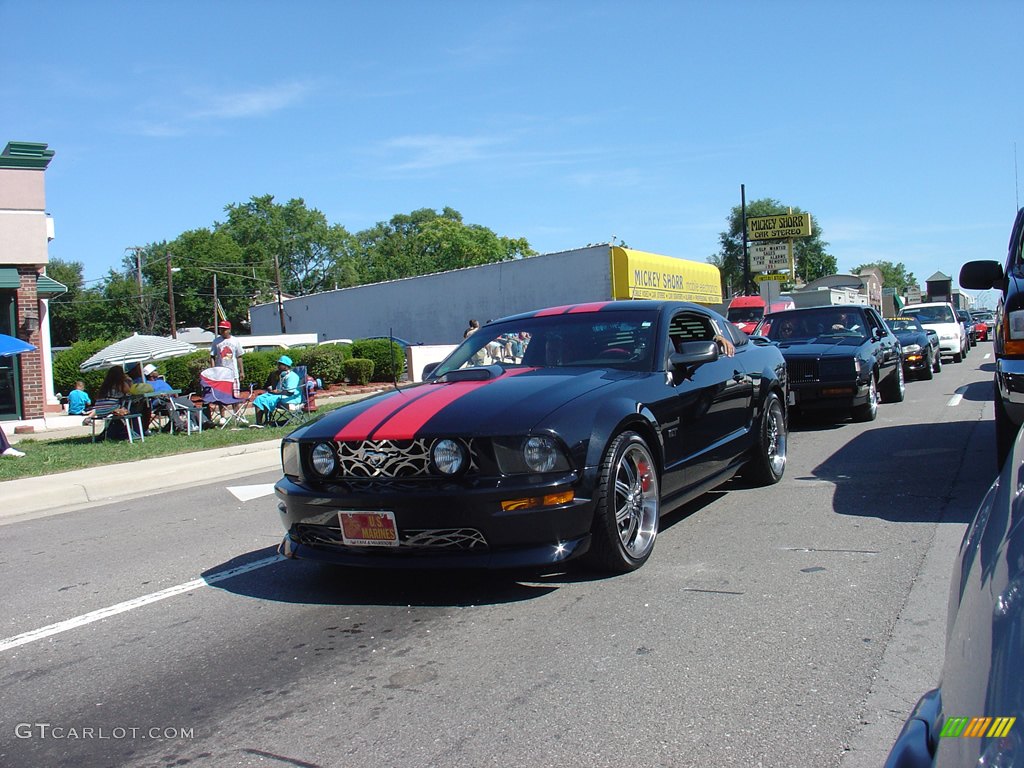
(783, 226)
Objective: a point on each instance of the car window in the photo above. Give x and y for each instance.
(690, 326)
(936, 314)
(822, 324)
(623, 339)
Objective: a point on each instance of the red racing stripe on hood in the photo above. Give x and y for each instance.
(406, 423)
(569, 309)
(594, 306)
(363, 424)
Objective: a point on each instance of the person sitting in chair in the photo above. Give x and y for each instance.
(287, 392)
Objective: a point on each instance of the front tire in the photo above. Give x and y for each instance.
(929, 370)
(628, 506)
(869, 410)
(769, 461)
(937, 368)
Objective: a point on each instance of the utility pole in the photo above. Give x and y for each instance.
(170, 297)
(746, 256)
(216, 304)
(280, 301)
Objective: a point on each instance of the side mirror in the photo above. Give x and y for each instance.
(428, 369)
(691, 354)
(981, 275)
(877, 334)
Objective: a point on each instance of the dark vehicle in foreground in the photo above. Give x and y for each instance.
(921, 354)
(602, 418)
(839, 357)
(976, 715)
(1008, 333)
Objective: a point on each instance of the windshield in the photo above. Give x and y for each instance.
(745, 314)
(904, 324)
(623, 340)
(937, 314)
(828, 324)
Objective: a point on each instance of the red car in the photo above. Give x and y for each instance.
(983, 325)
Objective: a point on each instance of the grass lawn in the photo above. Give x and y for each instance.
(45, 457)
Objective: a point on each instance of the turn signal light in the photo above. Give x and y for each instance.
(550, 500)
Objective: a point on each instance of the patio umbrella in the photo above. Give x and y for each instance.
(136, 349)
(12, 346)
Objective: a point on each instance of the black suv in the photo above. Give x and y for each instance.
(1008, 335)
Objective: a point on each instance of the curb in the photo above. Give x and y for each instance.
(101, 485)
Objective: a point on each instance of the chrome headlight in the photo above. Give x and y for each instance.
(539, 453)
(448, 456)
(323, 459)
(911, 349)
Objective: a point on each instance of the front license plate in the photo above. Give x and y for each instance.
(791, 399)
(369, 529)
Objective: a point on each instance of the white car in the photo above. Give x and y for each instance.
(940, 317)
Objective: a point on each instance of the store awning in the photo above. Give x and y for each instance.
(47, 287)
(9, 278)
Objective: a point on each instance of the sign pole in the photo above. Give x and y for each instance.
(746, 256)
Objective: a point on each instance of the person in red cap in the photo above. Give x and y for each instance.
(226, 351)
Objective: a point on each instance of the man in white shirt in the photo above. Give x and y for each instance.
(226, 352)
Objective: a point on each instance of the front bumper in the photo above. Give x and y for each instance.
(950, 346)
(439, 526)
(915, 362)
(829, 395)
(1010, 380)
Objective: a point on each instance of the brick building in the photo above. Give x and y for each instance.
(26, 381)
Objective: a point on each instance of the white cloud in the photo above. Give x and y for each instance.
(251, 103)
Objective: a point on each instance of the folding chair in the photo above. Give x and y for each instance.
(295, 414)
(104, 414)
(232, 415)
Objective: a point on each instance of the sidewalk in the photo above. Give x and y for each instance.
(63, 491)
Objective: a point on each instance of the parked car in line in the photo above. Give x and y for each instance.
(746, 311)
(921, 355)
(613, 414)
(941, 318)
(984, 324)
(969, 719)
(839, 357)
(969, 329)
(1008, 334)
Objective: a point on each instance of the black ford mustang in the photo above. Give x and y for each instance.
(542, 437)
(839, 357)
(921, 353)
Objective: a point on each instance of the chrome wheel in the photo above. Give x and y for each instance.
(776, 437)
(636, 500)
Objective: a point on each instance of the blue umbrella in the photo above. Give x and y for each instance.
(12, 346)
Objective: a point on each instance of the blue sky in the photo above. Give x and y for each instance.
(567, 123)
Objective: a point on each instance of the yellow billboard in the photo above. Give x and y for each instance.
(640, 275)
(782, 226)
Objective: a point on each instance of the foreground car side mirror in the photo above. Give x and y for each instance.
(981, 275)
(428, 369)
(690, 356)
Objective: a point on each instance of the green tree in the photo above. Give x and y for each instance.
(812, 260)
(65, 310)
(894, 275)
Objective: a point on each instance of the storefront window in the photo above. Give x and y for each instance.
(10, 393)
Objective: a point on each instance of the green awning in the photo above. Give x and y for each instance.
(9, 278)
(47, 287)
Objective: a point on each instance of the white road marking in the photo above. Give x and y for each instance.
(128, 605)
(250, 492)
(954, 400)
(987, 356)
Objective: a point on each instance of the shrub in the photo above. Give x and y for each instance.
(326, 363)
(359, 370)
(259, 365)
(183, 372)
(388, 357)
(66, 371)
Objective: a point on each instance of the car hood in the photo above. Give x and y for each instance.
(912, 337)
(511, 403)
(839, 348)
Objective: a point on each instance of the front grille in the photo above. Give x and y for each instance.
(802, 369)
(364, 459)
(422, 539)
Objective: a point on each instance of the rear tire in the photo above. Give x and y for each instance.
(628, 506)
(769, 461)
(896, 385)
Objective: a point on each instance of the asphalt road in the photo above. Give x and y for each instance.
(790, 626)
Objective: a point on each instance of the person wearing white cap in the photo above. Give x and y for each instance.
(153, 378)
